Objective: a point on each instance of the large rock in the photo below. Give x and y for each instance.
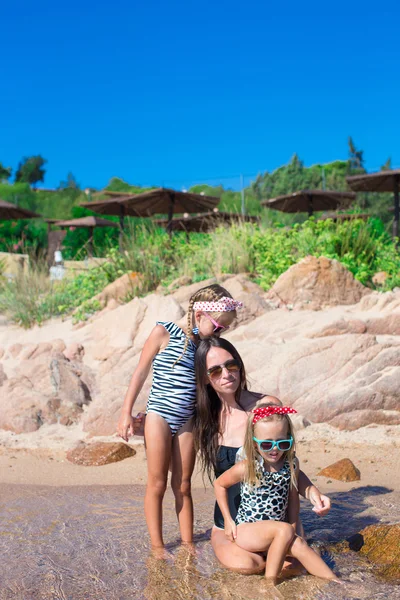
(315, 283)
(100, 453)
(44, 390)
(342, 470)
(123, 287)
(381, 544)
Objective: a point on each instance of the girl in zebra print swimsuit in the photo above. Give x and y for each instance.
(171, 405)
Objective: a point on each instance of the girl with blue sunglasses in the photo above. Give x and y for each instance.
(269, 499)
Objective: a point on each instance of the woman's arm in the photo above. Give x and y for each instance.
(157, 340)
(221, 486)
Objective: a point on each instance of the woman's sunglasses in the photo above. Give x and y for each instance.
(215, 372)
(268, 445)
(217, 327)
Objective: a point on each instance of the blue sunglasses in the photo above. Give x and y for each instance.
(268, 445)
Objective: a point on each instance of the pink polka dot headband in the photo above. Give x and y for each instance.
(268, 411)
(224, 304)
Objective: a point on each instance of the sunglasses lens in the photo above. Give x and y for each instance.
(215, 373)
(266, 446)
(233, 366)
(284, 445)
(219, 329)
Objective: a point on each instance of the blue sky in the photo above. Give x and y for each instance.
(178, 92)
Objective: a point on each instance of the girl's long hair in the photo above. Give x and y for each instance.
(251, 451)
(207, 425)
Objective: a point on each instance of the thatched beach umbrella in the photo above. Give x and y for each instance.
(89, 223)
(203, 222)
(147, 204)
(310, 201)
(383, 181)
(10, 212)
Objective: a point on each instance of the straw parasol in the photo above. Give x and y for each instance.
(203, 222)
(9, 212)
(157, 201)
(383, 181)
(310, 201)
(89, 223)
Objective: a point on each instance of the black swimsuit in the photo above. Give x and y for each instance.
(226, 458)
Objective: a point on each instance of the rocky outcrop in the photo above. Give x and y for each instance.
(340, 365)
(315, 283)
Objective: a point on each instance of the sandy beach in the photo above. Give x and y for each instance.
(39, 458)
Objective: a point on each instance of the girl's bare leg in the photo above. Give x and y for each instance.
(273, 536)
(310, 559)
(183, 459)
(235, 558)
(158, 440)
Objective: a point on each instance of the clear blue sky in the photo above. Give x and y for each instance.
(175, 92)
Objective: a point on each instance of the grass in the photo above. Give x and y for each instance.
(262, 252)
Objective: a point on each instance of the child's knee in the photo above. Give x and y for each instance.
(181, 487)
(286, 532)
(157, 485)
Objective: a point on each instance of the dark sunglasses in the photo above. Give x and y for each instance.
(268, 445)
(215, 372)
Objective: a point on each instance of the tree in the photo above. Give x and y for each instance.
(30, 170)
(356, 160)
(70, 184)
(387, 166)
(5, 173)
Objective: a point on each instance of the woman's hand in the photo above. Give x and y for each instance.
(321, 503)
(230, 530)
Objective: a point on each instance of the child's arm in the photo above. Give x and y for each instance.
(158, 339)
(308, 490)
(294, 502)
(221, 485)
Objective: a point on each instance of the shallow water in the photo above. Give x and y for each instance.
(83, 543)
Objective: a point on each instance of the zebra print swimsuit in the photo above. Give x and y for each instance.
(173, 392)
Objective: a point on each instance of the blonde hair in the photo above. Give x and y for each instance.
(252, 473)
(210, 293)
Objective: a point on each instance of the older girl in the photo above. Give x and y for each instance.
(171, 405)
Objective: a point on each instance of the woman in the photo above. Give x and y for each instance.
(223, 405)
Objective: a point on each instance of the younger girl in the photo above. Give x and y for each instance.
(268, 494)
(171, 405)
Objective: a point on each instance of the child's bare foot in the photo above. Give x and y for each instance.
(269, 586)
(160, 553)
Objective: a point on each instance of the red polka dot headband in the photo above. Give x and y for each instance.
(268, 411)
(224, 304)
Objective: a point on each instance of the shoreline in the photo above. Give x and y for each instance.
(39, 463)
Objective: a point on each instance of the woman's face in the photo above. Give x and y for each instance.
(225, 380)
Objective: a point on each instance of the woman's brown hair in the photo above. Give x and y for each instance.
(207, 427)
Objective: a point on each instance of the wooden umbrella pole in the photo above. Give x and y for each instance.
(121, 226)
(310, 206)
(90, 243)
(170, 214)
(396, 207)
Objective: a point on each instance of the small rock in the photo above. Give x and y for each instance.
(99, 453)
(74, 352)
(380, 278)
(342, 470)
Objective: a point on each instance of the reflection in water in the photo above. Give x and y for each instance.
(85, 543)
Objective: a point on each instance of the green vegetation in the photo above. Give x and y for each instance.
(262, 252)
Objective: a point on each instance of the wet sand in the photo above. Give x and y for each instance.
(78, 533)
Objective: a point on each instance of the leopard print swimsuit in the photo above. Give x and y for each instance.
(267, 501)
